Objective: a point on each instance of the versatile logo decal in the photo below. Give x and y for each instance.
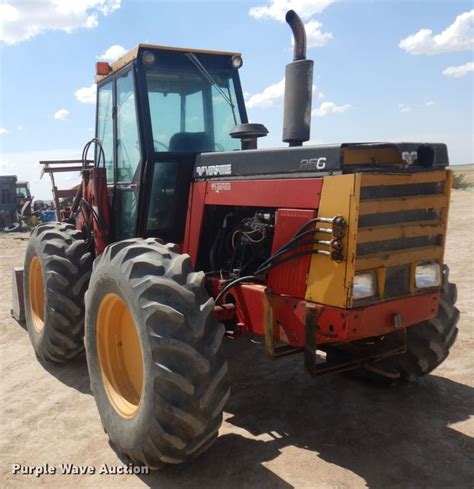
(214, 170)
(313, 163)
(409, 157)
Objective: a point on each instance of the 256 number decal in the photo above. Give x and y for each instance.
(313, 163)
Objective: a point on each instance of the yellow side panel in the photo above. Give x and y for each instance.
(374, 156)
(397, 231)
(372, 179)
(399, 257)
(330, 282)
(402, 204)
(445, 212)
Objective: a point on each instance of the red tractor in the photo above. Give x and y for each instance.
(183, 232)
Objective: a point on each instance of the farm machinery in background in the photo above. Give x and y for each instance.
(183, 232)
(18, 212)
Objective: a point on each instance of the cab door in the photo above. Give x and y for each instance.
(128, 157)
(117, 131)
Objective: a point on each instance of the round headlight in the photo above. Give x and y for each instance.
(148, 58)
(236, 61)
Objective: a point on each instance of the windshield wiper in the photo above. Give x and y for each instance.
(192, 57)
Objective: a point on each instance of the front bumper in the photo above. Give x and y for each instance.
(258, 311)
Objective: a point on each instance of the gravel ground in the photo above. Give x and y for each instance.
(282, 429)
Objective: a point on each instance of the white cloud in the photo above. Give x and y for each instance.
(405, 107)
(314, 36)
(21, 20)
(271, 96)
(276, 9)
(3, 130)
(459, 36)
(113, 53)
(62, 115)
(87, 95)
(4, 167)
(459, 71)
(327, 108)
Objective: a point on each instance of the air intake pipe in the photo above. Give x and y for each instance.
(298, 87)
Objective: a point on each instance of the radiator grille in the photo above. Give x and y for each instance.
(395, 220)
(397, 281)
(402, 221)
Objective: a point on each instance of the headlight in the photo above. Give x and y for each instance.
(236, 61)
(427, 275)
(148, 58)
(365, 285)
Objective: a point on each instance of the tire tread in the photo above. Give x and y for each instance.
(188, 368)
(67, 262)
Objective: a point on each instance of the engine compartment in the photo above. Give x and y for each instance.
(235, 240)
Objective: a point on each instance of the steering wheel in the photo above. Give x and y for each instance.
(159, 143)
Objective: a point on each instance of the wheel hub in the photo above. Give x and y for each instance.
(120, 355)
(36, 294)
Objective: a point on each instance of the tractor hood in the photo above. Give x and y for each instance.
(323, 159)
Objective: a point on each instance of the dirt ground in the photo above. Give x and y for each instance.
(467, 171)
(282, 428)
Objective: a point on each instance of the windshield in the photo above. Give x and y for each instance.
(22, 191)
(192, 109)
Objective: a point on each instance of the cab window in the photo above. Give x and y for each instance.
(128, 144)
(105, 129)
(191, 110)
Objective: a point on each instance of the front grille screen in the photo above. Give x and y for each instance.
(401, 221)
(397, 281)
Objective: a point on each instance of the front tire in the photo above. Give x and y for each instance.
(155, 359)
(429, 342)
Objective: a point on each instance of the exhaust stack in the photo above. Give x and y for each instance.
(298, 87)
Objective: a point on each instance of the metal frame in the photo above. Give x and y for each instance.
(340, 361)
(66, 166)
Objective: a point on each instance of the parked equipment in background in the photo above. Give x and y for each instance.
(8, 203)
(16, 197)
(180, 234)
(18, 209)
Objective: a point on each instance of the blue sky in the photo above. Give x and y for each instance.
(379, 74)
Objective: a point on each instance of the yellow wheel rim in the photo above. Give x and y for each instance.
(36, 294)
(120, 355)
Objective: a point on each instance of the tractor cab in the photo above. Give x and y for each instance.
(23, 190)
(158, 108)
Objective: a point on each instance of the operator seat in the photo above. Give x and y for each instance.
(190, 142)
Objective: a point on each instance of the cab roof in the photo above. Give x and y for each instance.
(132, 55)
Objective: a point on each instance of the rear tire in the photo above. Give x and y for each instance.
(167, 408)
(57, 267)
(429, 342)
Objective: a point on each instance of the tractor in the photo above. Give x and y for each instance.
(183, 232)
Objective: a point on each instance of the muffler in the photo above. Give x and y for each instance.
(298, 87)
